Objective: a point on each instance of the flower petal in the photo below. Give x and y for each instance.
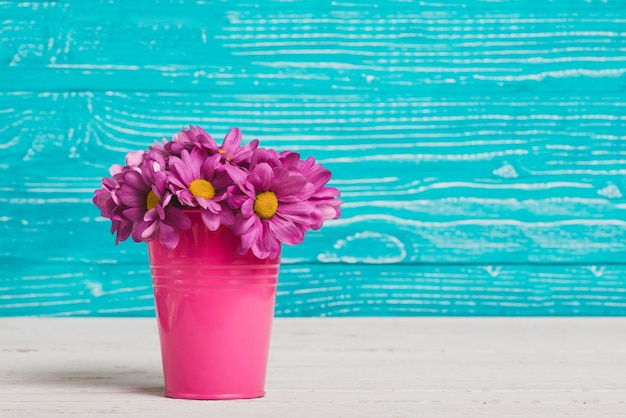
(146, 230)
(181, 170)
(135, 214)
(235, 201)
(168, 236)
(285, 231)
(227, 217)
(201, 138)
(266, 244)
(262, 177)
(134, 180)
(232, 140)
(135, 158)
(236, 173)
(160, 211)
(290, 184)
(305, 193)
(326, 192)
(211, 220)
(247, 209)
(195, 160)
(131, 197)
(299, 213)
(244, 154)
(249, 240)
(242, 225)
(123, 232)
(319, 177)
(177, 218)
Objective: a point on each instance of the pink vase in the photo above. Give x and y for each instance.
(214, 310)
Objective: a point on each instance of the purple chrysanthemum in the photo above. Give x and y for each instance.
(107, 200)
(327, 206)
(199, 180)
(197, 136)
(272, 209)
(232, 151)
(146, 197)
(233, 155)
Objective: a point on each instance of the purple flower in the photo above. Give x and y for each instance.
(107, 200)
(266, 155)
(197, 136)
(272, 209)
(236, 158)
(323, 197)
(198, 180)
(147, 199)
(232, 151)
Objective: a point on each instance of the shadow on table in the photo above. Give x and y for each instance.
(94, 380)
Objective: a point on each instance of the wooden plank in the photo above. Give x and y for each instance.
(427, 196)
(500, 367)
(120, 288)
(365, 236)
(165, 35)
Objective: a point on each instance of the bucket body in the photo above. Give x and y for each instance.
(214, 311)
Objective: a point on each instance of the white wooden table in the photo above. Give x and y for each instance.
(340, 367)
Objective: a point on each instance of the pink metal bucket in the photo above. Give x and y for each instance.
(214, 310)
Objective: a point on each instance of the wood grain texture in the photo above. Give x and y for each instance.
(339, 367)
(464, 136)
(337, 289)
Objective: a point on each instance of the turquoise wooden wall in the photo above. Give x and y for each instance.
(480, 146)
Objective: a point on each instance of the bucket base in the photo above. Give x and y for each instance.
(215, 397)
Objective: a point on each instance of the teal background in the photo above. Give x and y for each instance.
(480, 146)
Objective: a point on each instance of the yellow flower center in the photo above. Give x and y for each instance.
(152, 200)
(265, 205)
(202, 188)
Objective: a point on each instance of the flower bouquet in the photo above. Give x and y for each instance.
(214, 218)
(265, 197)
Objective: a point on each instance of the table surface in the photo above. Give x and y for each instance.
(330, 367)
